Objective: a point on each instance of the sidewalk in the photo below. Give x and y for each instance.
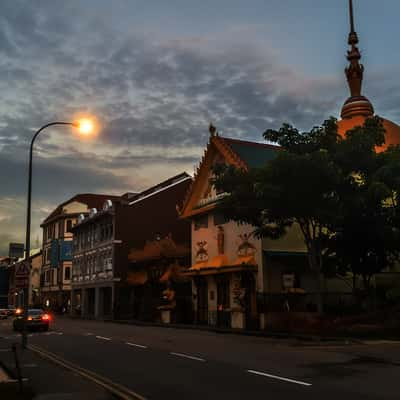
(300, 337)
(43, 379)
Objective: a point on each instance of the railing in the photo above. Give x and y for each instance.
(333, 302)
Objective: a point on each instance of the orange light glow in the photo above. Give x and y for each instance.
(46, 317)
(85, 126)
(18, 311)
(30, 318)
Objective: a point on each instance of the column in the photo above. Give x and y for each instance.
(97, 300)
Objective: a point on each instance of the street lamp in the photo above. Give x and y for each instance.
(85, 126)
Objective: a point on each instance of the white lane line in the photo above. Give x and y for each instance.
(281, 378)
(88, 334)
(103, 338)
(187, 356)
(136, 345)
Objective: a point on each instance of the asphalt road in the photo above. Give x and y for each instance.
(166, 363)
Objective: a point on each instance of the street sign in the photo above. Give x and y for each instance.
(16, 250)
(21, 282)
(22, 275)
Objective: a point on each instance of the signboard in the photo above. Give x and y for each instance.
(288, 281)
(16, 250)
(66, 250)
(54, 253)
(22, 275)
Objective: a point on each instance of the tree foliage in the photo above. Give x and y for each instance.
(342, 194)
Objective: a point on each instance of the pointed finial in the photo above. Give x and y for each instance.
(212, 129)
(356, 104)
(351, 16)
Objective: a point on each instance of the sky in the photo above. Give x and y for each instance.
(155, 73)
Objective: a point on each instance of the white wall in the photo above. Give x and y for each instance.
(232, 230)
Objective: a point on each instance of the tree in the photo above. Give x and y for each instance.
(299, 187)
(335, 189)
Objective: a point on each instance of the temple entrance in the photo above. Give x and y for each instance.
(202, 301)
(223, 303)
(250, 302)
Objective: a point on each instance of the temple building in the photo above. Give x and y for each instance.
(229, 265)
(357, 107)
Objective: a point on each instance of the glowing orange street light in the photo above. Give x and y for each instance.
(85, 126)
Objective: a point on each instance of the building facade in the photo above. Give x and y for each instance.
(4, 281)
(103, 239)
(57, 242)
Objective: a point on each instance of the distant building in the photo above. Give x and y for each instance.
(57, 248)
(15, 295)
(103, 239)
(4, 280)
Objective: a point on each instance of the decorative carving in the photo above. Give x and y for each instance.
(201, 253)
(246, 248)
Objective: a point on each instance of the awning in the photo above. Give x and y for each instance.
(245, 260)
(137, 278)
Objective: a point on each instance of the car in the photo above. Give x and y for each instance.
(11, 310)
(37, 319)
(3, 313)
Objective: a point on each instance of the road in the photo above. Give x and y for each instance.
(167, 363)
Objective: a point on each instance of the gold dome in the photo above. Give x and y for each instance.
(392, 130)
(357, 107)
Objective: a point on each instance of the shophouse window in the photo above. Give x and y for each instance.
(69, 225)
(67, 273)
(201, 221)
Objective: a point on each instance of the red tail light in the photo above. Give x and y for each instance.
(46, 317)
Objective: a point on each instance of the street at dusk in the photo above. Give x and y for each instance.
(159, 363)
(199, 200)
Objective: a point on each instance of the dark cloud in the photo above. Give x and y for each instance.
(154, 97)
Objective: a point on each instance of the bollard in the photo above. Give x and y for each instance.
(17, 367)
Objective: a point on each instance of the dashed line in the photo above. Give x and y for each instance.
(136, 345)
(281, 378)
(103, 338)
(88, 334)
(187, 356)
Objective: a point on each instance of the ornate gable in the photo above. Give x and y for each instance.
(201, 196)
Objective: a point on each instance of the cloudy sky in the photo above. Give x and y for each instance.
(155, 73)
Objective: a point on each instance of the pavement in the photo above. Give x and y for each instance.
(41, 379)
(169, 363)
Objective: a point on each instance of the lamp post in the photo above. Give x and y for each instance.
(85, 126)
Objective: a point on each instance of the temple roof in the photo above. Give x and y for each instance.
(242, 154)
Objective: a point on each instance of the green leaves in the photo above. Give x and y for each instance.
(343, 195)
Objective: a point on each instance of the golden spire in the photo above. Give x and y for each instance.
(356, 104)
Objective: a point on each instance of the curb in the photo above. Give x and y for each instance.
(274, 335)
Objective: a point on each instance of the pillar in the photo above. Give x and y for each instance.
(97, 300)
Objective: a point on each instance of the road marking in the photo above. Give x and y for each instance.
(4, 350)
(281, 378)
(187, 356)
(136, 345)
(103, 338)
(88, 334)
(29, 365)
